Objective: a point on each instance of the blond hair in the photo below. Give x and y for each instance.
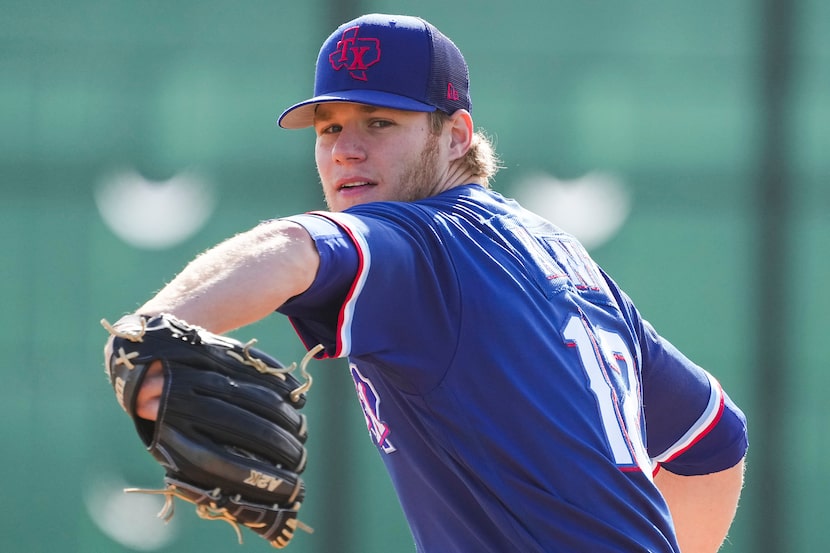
(481, 159)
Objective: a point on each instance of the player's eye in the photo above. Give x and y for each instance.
(380, 123)
(330, 129)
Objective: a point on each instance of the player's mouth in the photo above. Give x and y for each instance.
(355, 184)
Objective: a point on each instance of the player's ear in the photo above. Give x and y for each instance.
(460, 127)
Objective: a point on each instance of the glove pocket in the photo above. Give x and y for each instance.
(244, 417)
(225, 471)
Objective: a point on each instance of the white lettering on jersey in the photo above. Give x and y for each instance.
(576, 262)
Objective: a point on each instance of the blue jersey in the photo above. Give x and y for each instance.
(518, 399)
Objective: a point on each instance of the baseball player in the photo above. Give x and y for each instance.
(519, 400)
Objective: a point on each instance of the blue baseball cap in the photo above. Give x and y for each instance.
(392, 61)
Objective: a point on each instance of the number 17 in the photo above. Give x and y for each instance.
(612, 377)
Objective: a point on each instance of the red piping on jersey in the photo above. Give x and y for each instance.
(361, 262)
(702, 434)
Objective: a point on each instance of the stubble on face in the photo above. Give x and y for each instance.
(419, 178)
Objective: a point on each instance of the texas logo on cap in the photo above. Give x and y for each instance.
(421, 70)
(356, 54)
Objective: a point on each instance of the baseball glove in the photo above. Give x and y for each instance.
(229, 433)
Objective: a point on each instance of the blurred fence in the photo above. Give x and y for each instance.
(707, 123)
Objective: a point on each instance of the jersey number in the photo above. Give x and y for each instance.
(612, 377)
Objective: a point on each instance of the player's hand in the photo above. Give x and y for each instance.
(149, 394)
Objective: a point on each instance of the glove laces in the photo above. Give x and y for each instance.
(280, 372)
(210, 511)
(246, 358)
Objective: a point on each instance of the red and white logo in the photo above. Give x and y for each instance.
(370, 402)
(355, 54)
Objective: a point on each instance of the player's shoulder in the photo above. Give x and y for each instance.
(419, 215)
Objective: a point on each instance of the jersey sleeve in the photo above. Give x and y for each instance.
(384, 289)
(315, 314)
(692, 425)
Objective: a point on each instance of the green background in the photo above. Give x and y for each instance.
(715, 114)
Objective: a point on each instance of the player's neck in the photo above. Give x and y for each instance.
(460, 174)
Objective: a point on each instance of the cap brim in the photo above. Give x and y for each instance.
(300, 116)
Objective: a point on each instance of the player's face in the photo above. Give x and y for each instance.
(369, 154)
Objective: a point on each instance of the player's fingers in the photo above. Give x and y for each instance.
(149, 395)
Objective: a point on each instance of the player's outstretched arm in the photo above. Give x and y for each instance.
(241, 280)
(702, 507)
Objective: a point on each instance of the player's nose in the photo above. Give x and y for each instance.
(349, 147)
